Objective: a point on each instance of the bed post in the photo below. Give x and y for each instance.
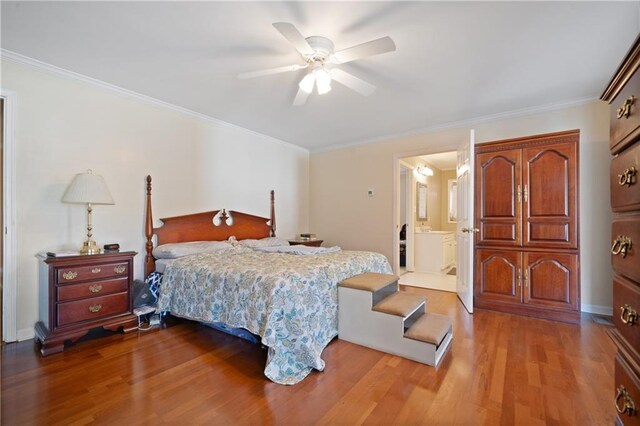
(149, 261)
(273, 213)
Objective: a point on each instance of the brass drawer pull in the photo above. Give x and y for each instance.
(69, 275)
(628, 407)
(625, 109)
(621, 245)
(626, 178)
(95, 288)
(96, 270)
(95, 308)
(628, 315)
(119, 269)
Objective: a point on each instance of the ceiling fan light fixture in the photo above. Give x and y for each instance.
(306, 84)
(323, 81)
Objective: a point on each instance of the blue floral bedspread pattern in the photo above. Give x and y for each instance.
(290, 301)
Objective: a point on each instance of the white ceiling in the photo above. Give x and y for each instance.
(442, 160)
(455, 61)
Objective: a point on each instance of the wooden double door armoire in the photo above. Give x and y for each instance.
(526, 207)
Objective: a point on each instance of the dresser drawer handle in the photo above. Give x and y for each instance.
(628, 315)
(119, 269)
(625, 109)
(69, 275)
(95, 288)
(95, 308)
(96, 270)
(628, 407)
(621, 245)
(626, 178)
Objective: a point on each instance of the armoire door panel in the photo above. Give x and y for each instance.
(549, 195)
(495, 232)
(548, 231)
(498, 182)
(498, 275)
(550, 280)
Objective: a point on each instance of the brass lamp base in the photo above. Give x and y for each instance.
(90, 247)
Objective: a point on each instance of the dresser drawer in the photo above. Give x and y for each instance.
(627, 392)
(93, 308)
(72, 274)
(92, 289)
(625, 115)
(625, 176)
(625, 243)
(626, 310)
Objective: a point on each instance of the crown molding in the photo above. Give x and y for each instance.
(462, 123)
(52, 69)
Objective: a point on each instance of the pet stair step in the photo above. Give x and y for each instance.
(369, 281)
(401, 304)
(430, 328)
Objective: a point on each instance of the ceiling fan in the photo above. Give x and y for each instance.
(317, 52)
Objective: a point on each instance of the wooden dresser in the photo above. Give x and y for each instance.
(79, 293)
(622, 93)
(526, 207)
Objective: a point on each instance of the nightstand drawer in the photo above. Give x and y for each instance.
(82, 273)
(625, 115)
(627, 392)
(625, 180)
(94, 308)
(92, 289)
(625, 243)
(626, 309)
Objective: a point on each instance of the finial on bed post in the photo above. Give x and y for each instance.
(149, 261)
(273, 213)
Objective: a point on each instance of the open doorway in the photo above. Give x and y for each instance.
(427, 215)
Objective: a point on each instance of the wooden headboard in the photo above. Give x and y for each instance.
(215, 225)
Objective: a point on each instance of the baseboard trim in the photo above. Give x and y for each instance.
(25, 334)
(597, 309)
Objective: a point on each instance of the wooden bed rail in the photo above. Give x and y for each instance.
(204, 226)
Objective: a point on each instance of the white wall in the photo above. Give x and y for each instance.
(65, 126)
(342, 214)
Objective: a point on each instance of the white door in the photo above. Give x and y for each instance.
(465, 230)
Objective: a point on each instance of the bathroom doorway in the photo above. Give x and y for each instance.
(427, 215)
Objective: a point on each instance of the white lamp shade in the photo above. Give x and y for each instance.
(87, 188)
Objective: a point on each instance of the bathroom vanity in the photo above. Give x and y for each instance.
(435, 251)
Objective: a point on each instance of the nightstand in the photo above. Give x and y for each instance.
(79, 293)
(310, 243)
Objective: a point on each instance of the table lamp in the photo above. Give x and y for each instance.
(88, 188)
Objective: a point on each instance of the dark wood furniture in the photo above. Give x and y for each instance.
(622, 93)
(79, 293)
(214, 225)
(310, 243)
(527, 213)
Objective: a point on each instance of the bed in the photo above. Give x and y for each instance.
(289, 301)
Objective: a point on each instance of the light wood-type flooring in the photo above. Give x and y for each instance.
(501, 369)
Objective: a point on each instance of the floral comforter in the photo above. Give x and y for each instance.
(290, 301)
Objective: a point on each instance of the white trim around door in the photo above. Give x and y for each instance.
(9, 280)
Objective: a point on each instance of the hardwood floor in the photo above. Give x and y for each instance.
(501, 369)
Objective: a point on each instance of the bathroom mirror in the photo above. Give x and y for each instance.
(453, 201)
(421, 200)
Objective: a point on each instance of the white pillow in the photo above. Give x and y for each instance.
(265, 242)
(175, 250)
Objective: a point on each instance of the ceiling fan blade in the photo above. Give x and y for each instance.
(291, 33)
(352, 82)
(301, 98)
(370, 48)
(271, 71)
